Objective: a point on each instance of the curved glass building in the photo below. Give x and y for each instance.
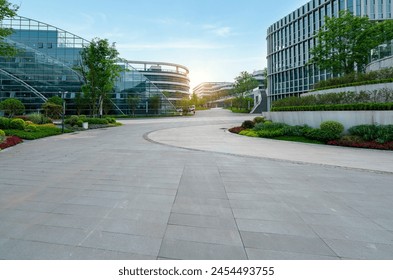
(44, 67)
(291, 38)
(170, 78)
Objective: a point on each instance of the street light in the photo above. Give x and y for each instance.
(63, 94)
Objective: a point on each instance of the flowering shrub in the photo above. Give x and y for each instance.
(362, 144)
(10, 141)
(236, 130)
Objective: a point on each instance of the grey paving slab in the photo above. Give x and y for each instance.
(125, 243)
(186, 250)
(286, 243)
(361, 250)
(202, 221)
(354, 234)
(259, 254)
(204, 235)
(112, 194)
(278, 227)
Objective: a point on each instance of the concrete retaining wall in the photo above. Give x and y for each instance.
(347, 118)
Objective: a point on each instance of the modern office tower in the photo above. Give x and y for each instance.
(44, 66)
(291, 38)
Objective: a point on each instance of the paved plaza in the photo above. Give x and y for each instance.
(185, 188)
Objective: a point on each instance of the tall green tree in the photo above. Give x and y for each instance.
(7, 10)
(133, 102)
(345, 42)
(100, 70)
(245, 83)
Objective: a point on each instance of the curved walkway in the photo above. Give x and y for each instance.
(216, 138)
(110, 194)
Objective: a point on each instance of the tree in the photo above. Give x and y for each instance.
(244, 83)
(56, 100)
(133, 102)
(52, 110)
(12, 107)
(100, 70)
(155, 103)
(7, 10)
(81, 103)
(345, 42)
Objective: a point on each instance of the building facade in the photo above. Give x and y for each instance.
(44, 66)
(209, 89)
(291, 38)
(172, 79)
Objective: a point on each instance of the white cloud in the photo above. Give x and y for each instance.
(221, 31)
(189, 45)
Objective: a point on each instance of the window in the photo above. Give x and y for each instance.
(40, 45)
(49, 45)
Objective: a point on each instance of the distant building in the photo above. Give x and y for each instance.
(213, 89)
(172, 79)
(291, 38)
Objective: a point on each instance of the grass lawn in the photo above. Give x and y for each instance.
(41, 132)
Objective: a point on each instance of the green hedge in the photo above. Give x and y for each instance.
(337, 107)
(363, 83)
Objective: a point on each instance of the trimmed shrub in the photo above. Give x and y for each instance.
(31, 128)
(259, 120)
(236, 129)
(268, 125)
(2, 136)
(271, 133)
(296, 130)
(249, 133)
(10, 141)
(111, 120)
(38, 118)
(321, 135)
(248, 124)
(72, 121)
(366, 132)
(12, 106)
(17, 124)
(4, 123)
(333, 127)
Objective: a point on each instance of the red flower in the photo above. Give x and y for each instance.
(10, 141)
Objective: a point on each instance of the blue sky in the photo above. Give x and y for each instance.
(215, 39)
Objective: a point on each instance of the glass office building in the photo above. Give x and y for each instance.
(44, 66)
(291, 38)
(170, 78)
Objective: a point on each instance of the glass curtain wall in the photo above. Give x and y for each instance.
(44, 66)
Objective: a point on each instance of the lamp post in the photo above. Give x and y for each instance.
(64, 109)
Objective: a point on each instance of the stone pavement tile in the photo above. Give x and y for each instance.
(146, 205)
(325, 205)
(103, 194)
(11, 229)
(33, 250)
(360, 250)
(94, 201)
(258, 254)
(224, 203)
(354, 234)
(378, 210)
(35, 206)
(269, 214)
(204, 235)
(252, 196)
(22, 216)
(259, 188)
(278, 227)
(286, 243)
(151, 198)
(82, 210)
(125, 243)
(155, 217)
(132, 227)
(188, 250)
(205, 210)
(70, 221)
(56, 235)
(197, 193)
(385, 223)
(269, 205)
(202, 221)
(337, 220)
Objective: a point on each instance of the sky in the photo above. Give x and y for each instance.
(214, 39)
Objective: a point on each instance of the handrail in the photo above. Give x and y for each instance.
(39, 94)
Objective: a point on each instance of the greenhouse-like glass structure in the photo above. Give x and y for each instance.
(45, 64)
